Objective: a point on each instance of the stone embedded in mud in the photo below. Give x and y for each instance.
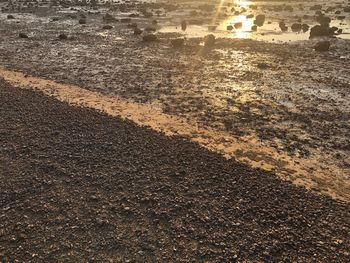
(283, 26)
(254, 28)
(319, 31)
(209, 40)
(238, 25)
(263, 65)
(296, 27)
(62, 36)
(10, 17)
(259, 20)
(149, 38)
(137, 31)
(323, 20)
(322, 46)
(229, 27)
(305, 27)
(82, 21)
(178, 42)
(23, 35)
(107, 27)
(183, 25)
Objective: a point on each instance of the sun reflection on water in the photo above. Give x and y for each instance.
(242, 32)
(243, 3)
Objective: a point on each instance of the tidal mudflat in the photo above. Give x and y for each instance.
(262, 85)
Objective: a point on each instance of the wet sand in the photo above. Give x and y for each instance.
(285, 98)
(78, 185)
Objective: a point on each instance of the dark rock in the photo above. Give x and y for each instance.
(296, 27)
(318, 31)
(259, 20)
(183, 25)
(229, 27)
(62, 36)
(137, 31)
(322, 46)
(263, 66)
(254, 28)
(283, 26)
(209, 40)
(23, 35)
(10, 17)
(347, 9)
(323, 20)
(238, 25)
(82, 21)
(340, 17)
(107, 27)
(305, 27)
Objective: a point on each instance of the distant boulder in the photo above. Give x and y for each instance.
(209, 40)
(322, 46)
(305, 27)
(107, 27)
(283, 26)
(296, 27)
(319, 31)
(238, 25)
(259, 20)
(62, 37)
(137, 31)
(23, 35)
(183, 25)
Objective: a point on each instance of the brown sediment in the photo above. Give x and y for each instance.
(309, 172)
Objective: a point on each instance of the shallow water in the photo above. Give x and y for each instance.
(270, 31)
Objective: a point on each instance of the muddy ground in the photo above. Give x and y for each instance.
(288, 96)
(80, 186)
